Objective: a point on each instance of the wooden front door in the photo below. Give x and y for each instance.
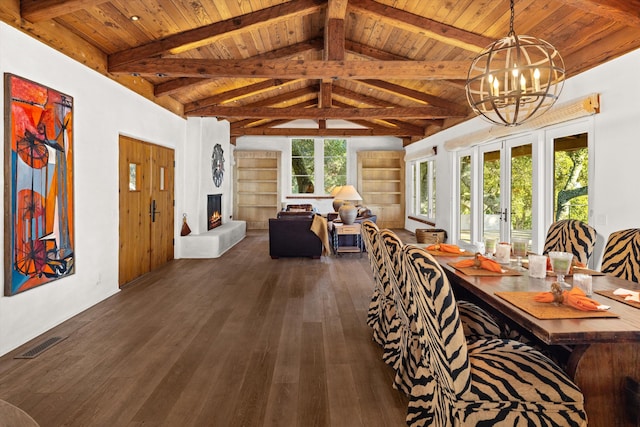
(146, 174)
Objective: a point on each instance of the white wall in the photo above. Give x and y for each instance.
(103, 110)
(283, 145)
(202, 135)
(614, 192)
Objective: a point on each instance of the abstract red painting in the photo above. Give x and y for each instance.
(39, 217)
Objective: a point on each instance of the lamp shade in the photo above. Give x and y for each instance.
(348, 192)
(335, 190)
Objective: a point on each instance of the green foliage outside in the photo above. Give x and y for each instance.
(302, 162)
(335, 163)
(303, 165)
(571, 184)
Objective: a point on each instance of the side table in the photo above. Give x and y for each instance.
(344, 230)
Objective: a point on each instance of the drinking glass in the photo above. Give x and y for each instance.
(490, 247)
(560, 265)
(519, 247)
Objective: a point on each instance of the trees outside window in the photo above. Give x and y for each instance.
(302, 166)
(317, 165)
(571, 177)
(517, 187)
(335, 163)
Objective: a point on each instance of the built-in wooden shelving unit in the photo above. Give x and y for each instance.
(381, 185)
(257, 187)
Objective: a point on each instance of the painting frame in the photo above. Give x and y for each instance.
(39, 215)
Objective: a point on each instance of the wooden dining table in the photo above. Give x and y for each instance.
(602, 352)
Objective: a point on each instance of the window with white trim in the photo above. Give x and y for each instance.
(318, 165)
(424, 184)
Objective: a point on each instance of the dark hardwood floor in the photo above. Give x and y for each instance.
(241, 340)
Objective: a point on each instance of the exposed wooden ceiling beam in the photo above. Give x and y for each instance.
(274, 100)
(417, 24)
(235, 94)
(175, 85)
(384, 123)
(337, 9)
(626, 12)
(249, 68)
(326, 95)
(364, 99)
(334, 40)
(371, 52)
(427, 112)
(415, 94)
(41, 10)
(201, 36)
(319, 132)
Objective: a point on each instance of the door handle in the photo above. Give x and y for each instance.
(504, 215)
(153, 211)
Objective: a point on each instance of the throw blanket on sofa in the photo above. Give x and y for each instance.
(319, 227)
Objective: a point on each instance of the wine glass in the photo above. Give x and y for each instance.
(519, 247)
(560, 265)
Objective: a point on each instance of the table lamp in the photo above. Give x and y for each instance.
(348, 211)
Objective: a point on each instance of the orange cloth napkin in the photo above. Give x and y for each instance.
(444, 248)
(574, 298)
(481, 262)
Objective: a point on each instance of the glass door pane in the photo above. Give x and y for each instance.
(465, 199)
(491, 199)
(521, 206)
(571, 178)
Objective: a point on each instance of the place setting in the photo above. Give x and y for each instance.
(563, 300)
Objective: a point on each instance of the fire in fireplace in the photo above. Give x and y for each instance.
(214, 211)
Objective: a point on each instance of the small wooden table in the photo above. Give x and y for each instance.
(345, 230)
(603, 351)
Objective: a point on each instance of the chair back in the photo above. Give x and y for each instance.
(369, 231)
(392, 254)
(444, 346)
(571, 235)
(622, 255)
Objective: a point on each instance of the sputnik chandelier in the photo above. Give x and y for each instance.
(515, 79)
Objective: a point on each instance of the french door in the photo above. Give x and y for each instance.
(146, 174)
(496, 191)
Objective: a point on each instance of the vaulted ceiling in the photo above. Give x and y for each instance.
(388, 67)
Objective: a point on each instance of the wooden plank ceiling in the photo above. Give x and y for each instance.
(355, 67)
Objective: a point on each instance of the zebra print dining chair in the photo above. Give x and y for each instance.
(571, 235)
(622, 255)
(400, 351)
(402, 346)
(381, 298)
(495, 382)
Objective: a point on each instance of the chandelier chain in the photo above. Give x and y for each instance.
(511, 31)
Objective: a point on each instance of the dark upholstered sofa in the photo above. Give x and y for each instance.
(290, 235)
